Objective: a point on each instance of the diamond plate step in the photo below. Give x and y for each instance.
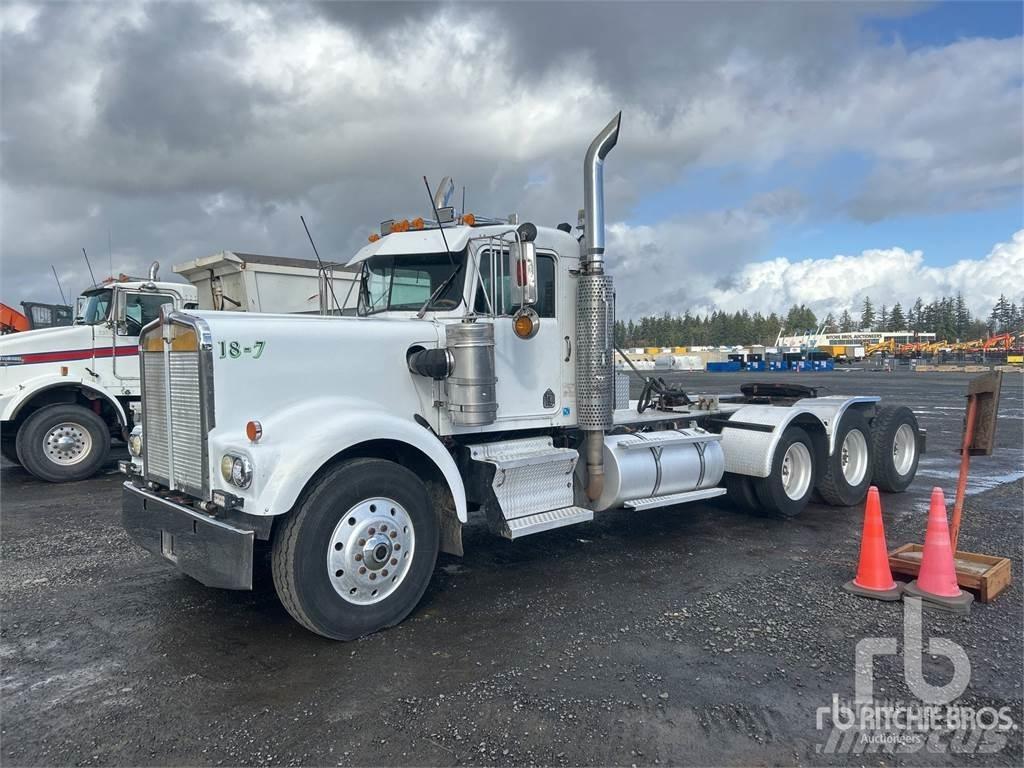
(545, 521)
(531, 476)
(676, 498)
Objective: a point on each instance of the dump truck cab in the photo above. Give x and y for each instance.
(65, 391)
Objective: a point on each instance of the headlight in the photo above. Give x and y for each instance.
(236, 470)
(135, 442)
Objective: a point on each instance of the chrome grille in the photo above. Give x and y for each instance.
(154, 417)
(174, 434)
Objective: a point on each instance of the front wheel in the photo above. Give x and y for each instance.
(787, 489)
(894, 434)
(357, 553)
(61, 443)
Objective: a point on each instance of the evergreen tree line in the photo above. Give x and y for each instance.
(948, 317)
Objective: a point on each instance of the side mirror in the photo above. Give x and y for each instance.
(522, 269)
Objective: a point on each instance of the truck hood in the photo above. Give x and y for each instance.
(266, 363)
(69, 337)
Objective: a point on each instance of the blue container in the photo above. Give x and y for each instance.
(728, 367)
(755, 365)
(778, 365)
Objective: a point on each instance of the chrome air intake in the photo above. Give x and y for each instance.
(470, 387)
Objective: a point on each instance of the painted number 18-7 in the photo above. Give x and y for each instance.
(236, 349)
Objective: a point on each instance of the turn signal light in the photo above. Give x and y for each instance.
(526, 323)
(254, 431)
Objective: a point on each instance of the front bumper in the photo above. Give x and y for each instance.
(211, 551)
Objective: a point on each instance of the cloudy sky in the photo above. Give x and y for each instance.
(770, 153)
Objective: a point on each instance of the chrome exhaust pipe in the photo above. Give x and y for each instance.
(154, 268)
(595, 317)
(593, 193)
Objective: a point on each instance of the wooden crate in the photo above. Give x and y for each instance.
(984, 574)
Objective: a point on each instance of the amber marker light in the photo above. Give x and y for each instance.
(254, 431)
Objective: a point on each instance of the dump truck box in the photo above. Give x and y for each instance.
(246, 282)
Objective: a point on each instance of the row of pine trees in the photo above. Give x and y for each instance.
(948, 317)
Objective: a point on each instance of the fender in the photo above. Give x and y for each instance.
(13, 401)
(749, 450)
(299, 440)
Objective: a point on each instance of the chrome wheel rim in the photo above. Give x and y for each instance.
(370, 551)
(67, 443)
(854, 457)
(796, 471)
(904, 449)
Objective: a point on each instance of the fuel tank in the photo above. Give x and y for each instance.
(641, 465)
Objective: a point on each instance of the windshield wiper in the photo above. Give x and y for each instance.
(437, 292)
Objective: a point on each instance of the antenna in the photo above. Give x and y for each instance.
(62, 299)
(110, 253)
(437, 218)
(327, 279)
(463, 211)
(91, 275)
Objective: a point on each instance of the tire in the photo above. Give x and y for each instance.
(740, 492)
(846, 474)
(793, 459)
(40, 453)
(335, 590)
(894, 434)
(8, 447)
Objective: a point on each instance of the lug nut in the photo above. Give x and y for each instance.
(362, 569)
(359, 556)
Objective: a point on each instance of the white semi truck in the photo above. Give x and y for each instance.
(65, 391)
(477, 380)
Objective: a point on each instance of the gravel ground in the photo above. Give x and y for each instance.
(693, 635)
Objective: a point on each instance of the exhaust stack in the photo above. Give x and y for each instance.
(154, 270)
(593, 192)
(595, 316)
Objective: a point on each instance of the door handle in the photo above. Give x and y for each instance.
(568, 349)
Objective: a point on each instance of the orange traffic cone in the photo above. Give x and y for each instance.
(936, 580)
(874, 579)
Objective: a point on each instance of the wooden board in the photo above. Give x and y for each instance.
(984, 574)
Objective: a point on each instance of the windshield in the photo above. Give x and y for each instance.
(93, 308)
(404, 283)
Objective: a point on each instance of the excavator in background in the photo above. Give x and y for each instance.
(12, 321)
(36, 315)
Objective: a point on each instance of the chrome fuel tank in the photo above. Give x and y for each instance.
(642, 465)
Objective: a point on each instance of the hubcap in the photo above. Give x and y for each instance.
(370, 551)
(854, 457)
(904, 449)
(796, 471)
(67, 443)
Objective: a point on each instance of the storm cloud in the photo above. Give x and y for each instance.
(180, 129)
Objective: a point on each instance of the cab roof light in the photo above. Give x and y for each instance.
(468, 219)
(374, 237)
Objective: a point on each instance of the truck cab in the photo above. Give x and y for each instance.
(66, 391)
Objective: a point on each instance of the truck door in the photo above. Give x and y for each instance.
(529, 371)
(135, 310)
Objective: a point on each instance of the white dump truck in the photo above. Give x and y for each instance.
(65, 391)
(477, 381)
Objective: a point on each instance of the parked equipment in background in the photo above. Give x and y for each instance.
(65, 391)
(479, 378)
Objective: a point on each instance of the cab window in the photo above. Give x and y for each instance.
(143, 308)
(502, 300)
